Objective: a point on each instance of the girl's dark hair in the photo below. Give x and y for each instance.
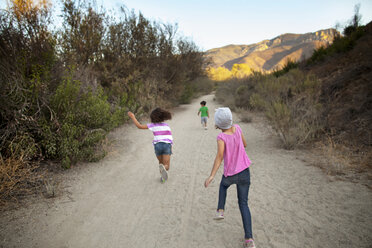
(160, 115)
(203, 103)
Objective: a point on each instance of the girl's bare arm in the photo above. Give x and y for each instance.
(244, 142)
(138, 125)
(217, 162)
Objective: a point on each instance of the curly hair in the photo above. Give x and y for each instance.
(159, 115)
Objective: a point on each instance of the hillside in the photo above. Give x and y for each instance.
(347, 94)
(268, 55)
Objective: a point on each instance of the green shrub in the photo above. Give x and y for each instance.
(195, 88)
(339, 45)
(241, 90)
(119, 116)
(242, 95)
(225, 93)
(91, 145)
(23, 145)
(93, 110)
(48, 140)
(289, 65)
(187, 94)
(318, 55)
(84, 117)
(257, 102)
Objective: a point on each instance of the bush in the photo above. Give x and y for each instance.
(195, 88)
(339, 45)
(296, 111)
(289, 65)
(187, 94)
(290, 102)
(280, 117)
(225, 93)
(257, 102)
(120, 63)
(84, 118)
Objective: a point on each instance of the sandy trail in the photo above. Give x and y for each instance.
(120, 202)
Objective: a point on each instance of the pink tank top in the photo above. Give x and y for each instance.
(235, 158)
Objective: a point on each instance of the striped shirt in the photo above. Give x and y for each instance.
(162, 132)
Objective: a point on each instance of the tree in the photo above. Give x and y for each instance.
(27, 56)
(354, 23)
(241, 70)
(82, 33)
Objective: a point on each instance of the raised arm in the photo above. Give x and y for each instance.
(138, 125)
(217, 162)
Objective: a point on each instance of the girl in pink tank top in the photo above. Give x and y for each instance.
(231, 149)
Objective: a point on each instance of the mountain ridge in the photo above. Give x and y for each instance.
(271, 54)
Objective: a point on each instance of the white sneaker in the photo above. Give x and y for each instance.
(163, 172)
(219, 215)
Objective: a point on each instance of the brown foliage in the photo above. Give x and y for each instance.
(17, 179)
(347, 96)
(62, 90)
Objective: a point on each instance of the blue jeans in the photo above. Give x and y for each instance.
(242, 181)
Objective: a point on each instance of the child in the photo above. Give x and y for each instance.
(163, 139)
(230, 148)
(204, 114)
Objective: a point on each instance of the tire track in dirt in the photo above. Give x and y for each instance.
(189, 199)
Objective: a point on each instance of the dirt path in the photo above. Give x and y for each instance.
(119, 202)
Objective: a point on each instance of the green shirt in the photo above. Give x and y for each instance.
(204, 111)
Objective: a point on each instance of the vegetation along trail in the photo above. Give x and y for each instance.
(120, 202)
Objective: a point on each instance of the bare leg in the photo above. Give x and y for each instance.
(166, 161)
(160, 158)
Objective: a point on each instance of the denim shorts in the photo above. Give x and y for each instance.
(162, 148)
(204, 119)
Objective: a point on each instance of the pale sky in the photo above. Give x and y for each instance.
(217, 23)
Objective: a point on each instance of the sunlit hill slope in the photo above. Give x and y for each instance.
(271, 54)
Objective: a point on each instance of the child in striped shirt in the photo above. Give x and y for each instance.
(163, 139)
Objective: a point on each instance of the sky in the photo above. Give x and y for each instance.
(211, 24)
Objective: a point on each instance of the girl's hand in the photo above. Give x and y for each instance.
(138, 125)
(208, 181)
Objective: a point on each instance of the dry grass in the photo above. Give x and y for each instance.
(341, 159)
(18, 179)
(50, 188)
(244, 115)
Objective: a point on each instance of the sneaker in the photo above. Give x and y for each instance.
(219, 215)
(205, 128)
(163, 172)
(249, 244)
(162, 180)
